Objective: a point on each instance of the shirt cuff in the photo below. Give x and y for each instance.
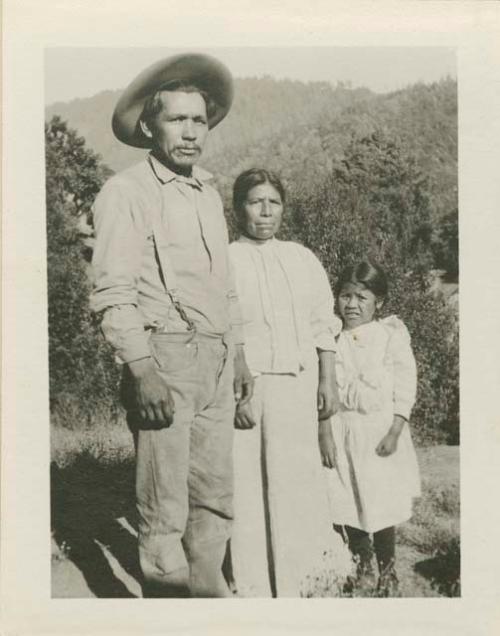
(135, 348)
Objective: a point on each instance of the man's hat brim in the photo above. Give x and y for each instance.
(203, 71)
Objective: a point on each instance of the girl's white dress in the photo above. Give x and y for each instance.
(283, 543)
(376, 375)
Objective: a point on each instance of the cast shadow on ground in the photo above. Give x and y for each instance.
(87, 498)
(443, 571)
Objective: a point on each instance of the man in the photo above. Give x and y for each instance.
(165, 291)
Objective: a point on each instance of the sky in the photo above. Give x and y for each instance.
(82, 72)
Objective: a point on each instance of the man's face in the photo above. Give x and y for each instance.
(179, 131)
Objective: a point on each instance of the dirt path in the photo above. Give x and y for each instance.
(69, 582)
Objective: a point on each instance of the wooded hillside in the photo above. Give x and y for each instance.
(301, 129)
(366, 175)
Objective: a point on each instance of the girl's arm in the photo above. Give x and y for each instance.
(404, 384)
(404, 370)
(389, 442)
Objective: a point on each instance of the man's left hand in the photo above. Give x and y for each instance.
(243, 380)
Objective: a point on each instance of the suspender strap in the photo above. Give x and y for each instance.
(167, 272)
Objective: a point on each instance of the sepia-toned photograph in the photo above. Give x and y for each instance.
(250, 318)
(253, 322)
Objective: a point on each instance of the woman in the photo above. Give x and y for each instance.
(283, 538)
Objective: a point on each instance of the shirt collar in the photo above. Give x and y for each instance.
(262, 246)
(165, 175)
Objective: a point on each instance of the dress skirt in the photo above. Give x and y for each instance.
(368, 491)
(283, 540)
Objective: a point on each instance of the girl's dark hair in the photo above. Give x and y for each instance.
(369, 274)
(153, 106)
(248, 180)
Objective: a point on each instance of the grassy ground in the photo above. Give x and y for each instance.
(434, 530)
(94, 525)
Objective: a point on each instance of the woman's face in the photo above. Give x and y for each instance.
(357, 305)
(262, 210)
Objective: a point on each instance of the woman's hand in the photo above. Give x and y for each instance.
(326, 444)
(244, 416)
(325, 400)
(243, 380)
(328, 396)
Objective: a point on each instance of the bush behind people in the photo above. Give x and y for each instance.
(374, 200)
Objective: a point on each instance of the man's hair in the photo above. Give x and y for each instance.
(248, 180)
(367, 273)
(154, 103)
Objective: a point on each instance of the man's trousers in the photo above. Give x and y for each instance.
(184, 478)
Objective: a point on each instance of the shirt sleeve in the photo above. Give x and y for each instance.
(404, 370)
(324, 323)
(235, 316)
(116, 264)
(234, 309)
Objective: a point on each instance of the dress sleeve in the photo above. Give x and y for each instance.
(325, 324)
(404, 367)
(116, 265)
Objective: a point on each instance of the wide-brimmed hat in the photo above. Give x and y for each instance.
(203, 71)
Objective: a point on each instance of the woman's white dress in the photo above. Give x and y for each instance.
(283, 543)
(376, 374)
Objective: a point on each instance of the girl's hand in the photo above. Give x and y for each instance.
(244, 417)
(389, 442)
(388, 445)
(326, 444)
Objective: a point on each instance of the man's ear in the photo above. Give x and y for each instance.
(379, 303)
(145, 129)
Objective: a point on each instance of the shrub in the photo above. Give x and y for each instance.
(82, 369)
(376, 204)
(446, 245)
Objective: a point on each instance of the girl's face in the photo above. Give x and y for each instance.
(357, 305)
(262, 212)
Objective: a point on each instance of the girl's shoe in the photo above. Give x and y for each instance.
(364, 583)
(388, 583)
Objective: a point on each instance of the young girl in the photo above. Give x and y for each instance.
(367, 445)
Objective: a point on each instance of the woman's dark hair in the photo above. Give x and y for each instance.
(154, 103)
(248, 180)
(369, 274)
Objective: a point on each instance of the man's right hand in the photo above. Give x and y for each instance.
(154, 398)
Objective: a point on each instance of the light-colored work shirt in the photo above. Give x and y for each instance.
(287, 305)
(128, 284)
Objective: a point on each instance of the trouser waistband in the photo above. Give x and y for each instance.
(193, 335)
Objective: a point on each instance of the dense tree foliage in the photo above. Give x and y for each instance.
(376, 203)
(82, 371)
